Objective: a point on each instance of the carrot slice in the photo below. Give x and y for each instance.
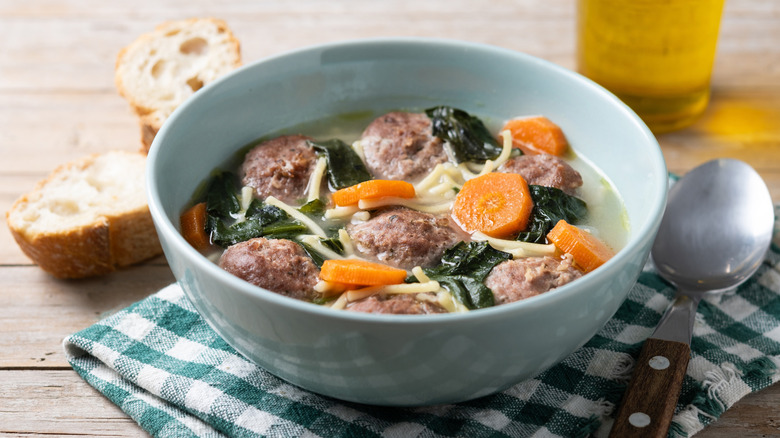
(373, 189)
(587, 250)
(193, 226)
(537, 135)
(352, 272)
(497, 204)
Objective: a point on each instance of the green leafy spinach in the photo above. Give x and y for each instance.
(345, 168)
(468, 137)
(463, 270)
(260, 220)
(222, 195)
(550, 206)
(332, 243)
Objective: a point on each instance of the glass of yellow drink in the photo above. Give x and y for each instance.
(655, 55)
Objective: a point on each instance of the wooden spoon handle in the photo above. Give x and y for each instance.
(648, 404)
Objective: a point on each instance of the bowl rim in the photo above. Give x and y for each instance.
(611, 267)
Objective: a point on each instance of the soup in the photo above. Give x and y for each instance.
(410, 212)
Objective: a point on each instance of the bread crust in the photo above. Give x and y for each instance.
(114, 238)
(135, 65)
(150, 125)
(132, 237)
(78, 253)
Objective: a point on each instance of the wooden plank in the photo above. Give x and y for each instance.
(743, 117)
(755, 416)
(43, 130)
(741, 124)
(263, 28)
(38, 311)
(58, 403)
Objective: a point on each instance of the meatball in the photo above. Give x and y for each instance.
(518, 279)
(403, 238)
(401, 304)
(401, 145)
(278, 265)
(545, 170)
(280, 167)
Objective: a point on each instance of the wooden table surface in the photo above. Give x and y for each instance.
(58, 103)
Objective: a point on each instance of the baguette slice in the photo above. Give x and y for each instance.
(88, 217)
(161, 69)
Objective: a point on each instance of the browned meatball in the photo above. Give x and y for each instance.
(401, 145)
(279, 167)
(401, 304)
(544, 170)
(403, 238)
(518, 279)
(278, 265)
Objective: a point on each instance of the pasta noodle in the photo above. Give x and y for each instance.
(316, 244)
(313, 189)
(346, 242)
(515, 247)
(341, 212)
(297, 215)
(414, 204)
(404, 288)
(247, 194)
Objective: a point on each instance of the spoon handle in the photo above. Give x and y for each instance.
(648, 404)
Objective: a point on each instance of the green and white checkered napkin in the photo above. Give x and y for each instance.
(162, 364)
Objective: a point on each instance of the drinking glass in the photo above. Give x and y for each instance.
(655, 55)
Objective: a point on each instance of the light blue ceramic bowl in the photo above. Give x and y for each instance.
(391, 359)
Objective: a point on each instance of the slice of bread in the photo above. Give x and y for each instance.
(161, 69)
(88, 217)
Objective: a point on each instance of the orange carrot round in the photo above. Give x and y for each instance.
(497, 204)
(373, 189)
(587, 250)
(352, 272)
(537, 135)
(193, 226)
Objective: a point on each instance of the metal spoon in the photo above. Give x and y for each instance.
(714, 235)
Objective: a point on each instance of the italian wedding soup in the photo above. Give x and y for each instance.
(409, 212)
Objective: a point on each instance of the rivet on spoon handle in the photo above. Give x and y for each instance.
(648, 404)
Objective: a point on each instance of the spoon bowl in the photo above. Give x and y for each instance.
(713, 236)
(716, 228)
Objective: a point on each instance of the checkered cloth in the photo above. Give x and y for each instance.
(162, 364)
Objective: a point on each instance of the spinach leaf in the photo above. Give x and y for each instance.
(265, 213)
(222, 206)
(467, 135)
(550, 206)
(222, 195)
(316, 257)
(314, 208)
(345, 168)
(261, 221)
(333, 244)
(470, 292)
(463, 270)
